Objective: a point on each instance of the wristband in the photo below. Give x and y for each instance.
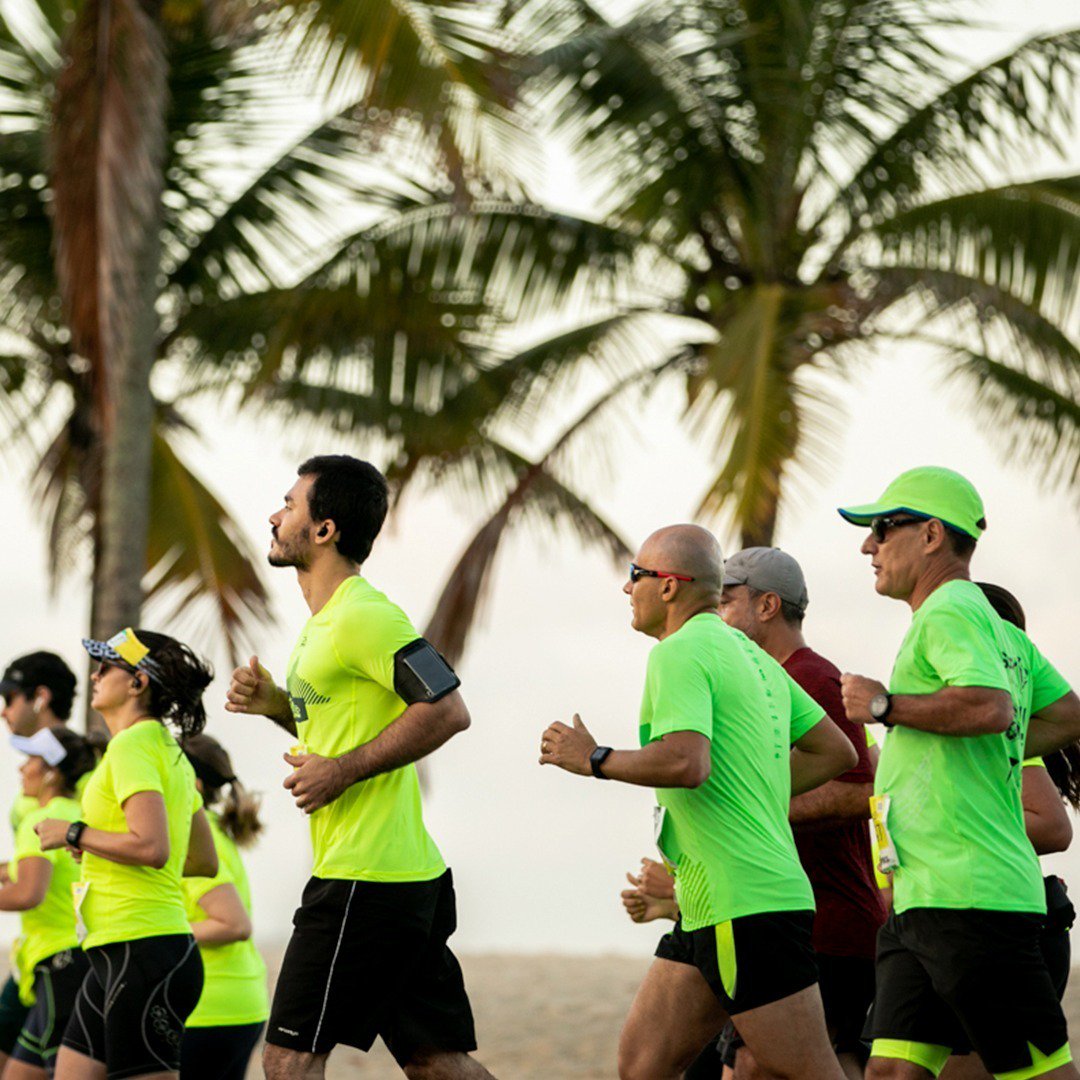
(74, 834)
(596, 759)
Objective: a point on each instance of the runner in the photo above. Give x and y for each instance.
(40, 888)
(225, 1027)
(765, 596)
(958, 958)
(143, 826)
(725, 778)
(367, 697)
(38, 691)
(1045, 785)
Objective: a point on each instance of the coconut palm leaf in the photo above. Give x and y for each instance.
(202, 569)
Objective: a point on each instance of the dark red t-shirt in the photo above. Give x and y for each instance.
(837, 857)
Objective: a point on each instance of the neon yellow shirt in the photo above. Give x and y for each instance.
(341, 682)
(234, 986)
(48, 928)
(956, 815)
(729, 839)
(124, 903)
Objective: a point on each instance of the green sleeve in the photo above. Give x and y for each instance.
(679, 690)
(366, 637)
(138, 767)
(805, 711)
(1034, 763)
(960, 647)
(1047, 684)
(27, 844)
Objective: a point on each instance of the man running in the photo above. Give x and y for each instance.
(718, 720)
(38, 691)
(765, 596)
(958, 959)
(367, 697)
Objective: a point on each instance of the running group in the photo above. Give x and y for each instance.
(839, 909)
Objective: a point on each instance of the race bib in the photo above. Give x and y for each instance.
(79, 889)
(662, 838)
(888, 859)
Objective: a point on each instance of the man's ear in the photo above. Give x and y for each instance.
(936, 536)
(325, 531)
(770, 604)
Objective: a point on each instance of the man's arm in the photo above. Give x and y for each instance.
(820, 754)
(421, 729)
(835, 800)
(952, 710)
(680, 759)
(252, 690)
(1054, 727)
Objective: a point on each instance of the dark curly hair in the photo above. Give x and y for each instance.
(177, 683)
(81, 756)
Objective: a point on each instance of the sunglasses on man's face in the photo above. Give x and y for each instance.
(881, 526)
(638, 572)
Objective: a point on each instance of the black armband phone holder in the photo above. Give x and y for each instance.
(422, 674)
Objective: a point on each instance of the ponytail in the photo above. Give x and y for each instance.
(239, 814)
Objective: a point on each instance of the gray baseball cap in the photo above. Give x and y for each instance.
(768, 569)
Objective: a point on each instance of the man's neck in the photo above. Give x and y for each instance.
(781, 641)
(932, 580)
(322, 579)
(679, 617)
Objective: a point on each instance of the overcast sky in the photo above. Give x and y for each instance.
(539, 855)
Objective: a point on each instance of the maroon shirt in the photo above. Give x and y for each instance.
(837, 857)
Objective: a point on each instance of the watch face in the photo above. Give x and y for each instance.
(879, 705)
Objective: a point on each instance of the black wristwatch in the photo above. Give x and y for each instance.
(880, 707)
(597, 758)
(74, 834)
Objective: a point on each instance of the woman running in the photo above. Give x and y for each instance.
(143, 827)
(225, 1027)
(40, 889)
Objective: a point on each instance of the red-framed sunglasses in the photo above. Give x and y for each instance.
(638, 572)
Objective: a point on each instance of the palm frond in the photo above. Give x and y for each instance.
(203, 571)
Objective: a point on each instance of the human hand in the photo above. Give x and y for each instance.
(315, 780)
(52, 832)
(252, 690)
(642, 908)
(656, 880)
(568, 747)
(857, 692)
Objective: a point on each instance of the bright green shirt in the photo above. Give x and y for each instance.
(729, 839)
(341, 682)
(48, 928)
(234, 986)
(124, 903)
(23, 805)
(956, 815)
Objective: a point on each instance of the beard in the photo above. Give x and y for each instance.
(292, 553)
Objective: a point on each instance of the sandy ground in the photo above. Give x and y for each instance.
(550, 1017)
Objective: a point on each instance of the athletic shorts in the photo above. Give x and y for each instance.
(218, 1053)
(13, 1015)
(131, 1009)
(750, 961)
(57, 982)
(847, 992)
(967, 980)
(370, 958)
(1054, 943)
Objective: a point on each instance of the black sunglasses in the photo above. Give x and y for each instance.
(637, 573)
(880, 526)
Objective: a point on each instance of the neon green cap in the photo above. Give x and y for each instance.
(929, 491)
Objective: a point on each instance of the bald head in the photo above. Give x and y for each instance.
(689, 550)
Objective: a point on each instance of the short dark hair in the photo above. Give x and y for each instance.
(1004, 603)
(791, 613)
(962, 543)
(351, 493)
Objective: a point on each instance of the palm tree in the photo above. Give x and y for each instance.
(367, 340)
(801, 183)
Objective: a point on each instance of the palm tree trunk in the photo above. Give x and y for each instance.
(108, 149)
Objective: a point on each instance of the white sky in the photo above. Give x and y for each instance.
(539, 855)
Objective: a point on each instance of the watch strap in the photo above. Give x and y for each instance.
(74, 834)
(597, 759)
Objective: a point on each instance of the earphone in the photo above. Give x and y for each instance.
(323, 531)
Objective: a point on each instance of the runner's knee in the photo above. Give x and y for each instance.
(280, 1063)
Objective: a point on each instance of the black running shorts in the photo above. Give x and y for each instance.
(57, 982)
(967, 979)
(751, 961)
(131, 1009)
(218, 1053)
(13, 1015)
(368, 959)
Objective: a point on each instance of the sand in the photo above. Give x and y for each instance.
(550, 1017)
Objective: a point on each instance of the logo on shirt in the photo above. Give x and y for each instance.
(301, 695)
